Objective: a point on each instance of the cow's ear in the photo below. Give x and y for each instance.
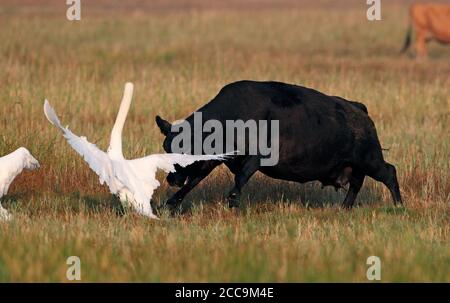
(163, 125)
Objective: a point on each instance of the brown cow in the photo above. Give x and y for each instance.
(431, 22)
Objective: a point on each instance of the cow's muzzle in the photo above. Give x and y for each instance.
(176, 179)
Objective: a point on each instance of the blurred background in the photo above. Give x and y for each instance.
(179, 53)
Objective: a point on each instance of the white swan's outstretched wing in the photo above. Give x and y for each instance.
(167, 162)
(97, 160)
(139, 175)
(145, 168)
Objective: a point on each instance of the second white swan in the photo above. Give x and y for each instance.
(10, 166)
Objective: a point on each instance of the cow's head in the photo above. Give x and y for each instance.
(165, 127)
(179, 177)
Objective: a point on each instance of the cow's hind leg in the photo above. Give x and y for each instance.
(249, 166)
(387, 174)
(356, 180)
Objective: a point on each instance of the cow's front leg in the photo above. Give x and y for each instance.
(175, 201)
(249, 167)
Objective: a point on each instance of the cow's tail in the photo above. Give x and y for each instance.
(407, 43)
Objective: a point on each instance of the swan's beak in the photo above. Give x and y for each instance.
(36, 163)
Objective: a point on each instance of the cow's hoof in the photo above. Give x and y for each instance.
(175, 211)
(346, 206)
(233, 201)
(174, 206)
(173, 203)
(156, 208)
(399, 205)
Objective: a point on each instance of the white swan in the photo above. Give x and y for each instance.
(10, 166)
(132, 180)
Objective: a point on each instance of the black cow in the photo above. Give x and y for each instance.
(321, 137)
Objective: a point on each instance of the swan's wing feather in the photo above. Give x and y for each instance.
(140, 175)
(97, 160)
(167, 162)
(52, 116)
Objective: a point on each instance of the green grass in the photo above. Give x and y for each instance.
(178, 61)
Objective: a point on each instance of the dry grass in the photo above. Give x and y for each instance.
(178, 60)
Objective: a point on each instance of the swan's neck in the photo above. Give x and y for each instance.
(115, 145)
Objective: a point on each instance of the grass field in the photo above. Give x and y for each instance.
(179, 56)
